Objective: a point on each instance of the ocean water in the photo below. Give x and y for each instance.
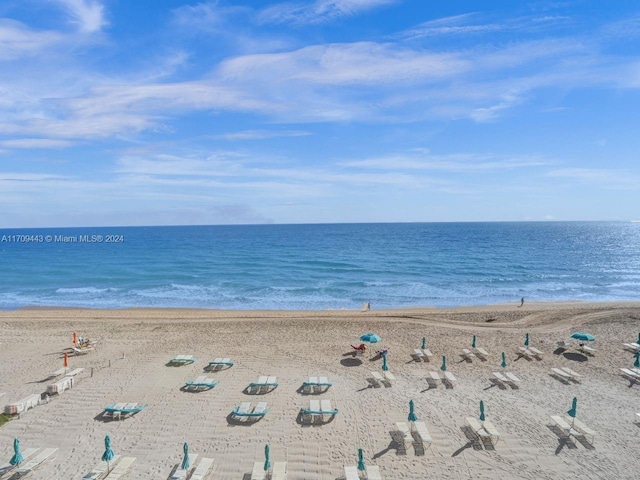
(314, 267)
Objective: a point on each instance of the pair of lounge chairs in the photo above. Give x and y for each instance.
(264, 384)
(507, 377)
(422, 354)
(565, 374)
(385, 378)
(318, 409)
(484, 430)
(316, 384)
(220, 363)
(120, 469)
(530, 352)
(631, 373)
(371, 472)
(246, 411)
(418, 431)
(634, 347)
(119, 411)
(277, 472)
(587, 349)
(447, 377)
(201, 383)
(182, 360)
(32, 458)
(193, 472)
(572, 427)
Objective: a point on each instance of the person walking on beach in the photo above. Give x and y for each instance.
(521, 302)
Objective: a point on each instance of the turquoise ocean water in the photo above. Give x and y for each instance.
(317, 267)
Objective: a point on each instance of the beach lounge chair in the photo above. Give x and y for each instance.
(524, 351)
(373, 472)
(317, 384)
(634, 347)
(245, 410)
(201, 383)
(500, 377)
(480, 351)
(57, 373)
(60, 386)
(404, 432)
(100, 470)
(418, 354)
(202, 469)
(279, 471)
(434, 375)
(564, 426)
(536, 352)
(121, 410)
(258, 472)
(83, 350)
(27, 453)
(182, 360)
(351, 473)
(121, 468)
(319, 408)
(571, 372)
(563, 344)
(35, 462)
(219, 363)
(448, 376)
(630, 374)
(467, 354)
(427, 353)
(75, 372)
(182, 473)
(264, 384)
(560, 373)
(477, 428)
(512, 378)
(422, 433)
(587, 349)
(389, 376)
(23, 405)
(586, 431)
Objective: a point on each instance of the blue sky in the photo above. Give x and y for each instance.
(160, 112)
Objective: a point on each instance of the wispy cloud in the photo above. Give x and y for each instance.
(35, 143)
(87, 14)
(261, 134)
(18, 40)
(601, 177)
(318, 11)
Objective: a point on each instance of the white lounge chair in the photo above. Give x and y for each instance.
(180, 473)
(219, 363)
(512, 377)
(536, 352)
(60, 386)
(571, 372)
(373, 472)
(351, 473)
(634, 347)
(100, 470)
(524, 351)
(57, 373)
(405, 433)
(419, 354)
(26, 454)
(434, 376)
(630, 374)
(477, 428)
(381, 379)
(258, 472)
(450, 377)
(564, 426)
(201, 383)
(202, 469)
(583, 429)
(279, 471)
(316, 384)
(75, 372)
(500, 377)
(264, 384)
(121, 468)
(35, 461)
(491, 430)
(389, 376)
(182, 360)
(423, 432)
(587, 349)
(427, 352)
(468, 354)
(560, 373)
(481, 351)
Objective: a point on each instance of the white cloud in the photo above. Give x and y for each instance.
(17, 40)
(261, 134)
(35, 143)
(87, 14)
(319, 11)
(604, 178)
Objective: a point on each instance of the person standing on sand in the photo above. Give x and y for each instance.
(521, 302)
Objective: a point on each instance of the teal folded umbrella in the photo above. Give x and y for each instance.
(482, 417)
(361, 466)
(385, 367)
(637, 362)
(424, 342)
(186, 462)
(572, 413)
(412, 416)
(444, 364)
(108, 454)
(17, 456)
(504, 361)
(473, 342)
(267, 461)
(526, 340)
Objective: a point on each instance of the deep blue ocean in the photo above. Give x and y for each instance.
(314, 267)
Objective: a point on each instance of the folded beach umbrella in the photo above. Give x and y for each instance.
(186, 463)
(637, 361)
(574, 404)
(17, 456)
(585, 337)
(267, 461)
(504, 361)
(385, 367)
(370, 338)
(473, 342)
(361, 466)
(482, 417)
(526, 340)
(638, 341)
(444, 364)
(65, 362)
(108, 454)
(424, 342)
(75, 338)
(412, 416)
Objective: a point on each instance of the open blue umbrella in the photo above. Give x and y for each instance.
(267, 461)
(384, 363)
(361, 466)
(412, 416)
(482, 417)
(585, 337)
(526, 340)
(637, 362)
(186, 463)
(504, 361)
(17, 456)
(473, 342)
(108, 454)
(424, 342)
(444, 364)
(370, 338)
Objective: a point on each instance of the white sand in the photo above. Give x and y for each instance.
(294, 345)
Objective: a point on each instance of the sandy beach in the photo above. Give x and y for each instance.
(134, 346)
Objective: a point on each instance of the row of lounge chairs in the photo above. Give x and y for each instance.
(188, 359)
(32, 458)
(372, 472)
